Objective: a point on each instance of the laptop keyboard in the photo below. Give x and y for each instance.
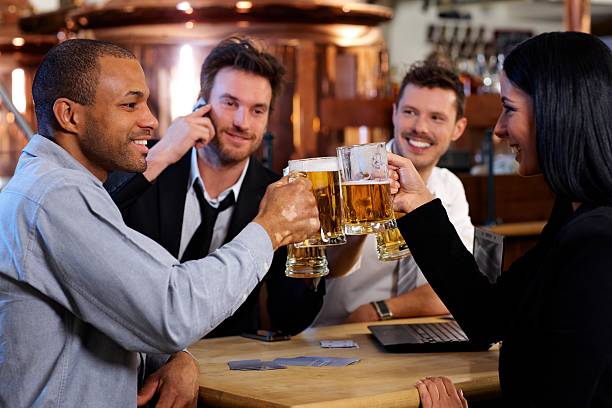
(424, 338)
(439, 333)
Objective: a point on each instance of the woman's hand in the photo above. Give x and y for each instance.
(412, 191)
(439, 392)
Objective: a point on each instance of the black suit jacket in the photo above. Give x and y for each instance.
(156, 210)
(552, 309)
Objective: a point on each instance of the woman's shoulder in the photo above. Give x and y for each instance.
(589, 225)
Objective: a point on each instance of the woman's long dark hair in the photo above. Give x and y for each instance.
(569, 77)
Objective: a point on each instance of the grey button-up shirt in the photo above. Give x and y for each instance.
(81, 293)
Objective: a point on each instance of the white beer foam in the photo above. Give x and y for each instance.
(314, 164)
(365, 182)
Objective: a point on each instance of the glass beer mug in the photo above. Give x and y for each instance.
(325, 178)
(307, 262)
(366, 189)
(307, 259)
(390, 245)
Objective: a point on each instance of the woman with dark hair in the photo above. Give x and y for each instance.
(553, 307)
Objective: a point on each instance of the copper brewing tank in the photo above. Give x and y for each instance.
(21, 52)
(334, 51)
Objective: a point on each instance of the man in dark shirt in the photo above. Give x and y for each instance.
(203, 184)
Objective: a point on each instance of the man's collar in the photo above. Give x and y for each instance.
(40, 146)
(194, 174)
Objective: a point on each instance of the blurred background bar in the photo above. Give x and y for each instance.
(344, 62)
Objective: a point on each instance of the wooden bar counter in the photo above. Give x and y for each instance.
(380, 379)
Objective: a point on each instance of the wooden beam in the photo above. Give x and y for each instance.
(342, 113)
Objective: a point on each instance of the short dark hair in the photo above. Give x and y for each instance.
(242, 54)
(70, 70)
(569, 78)
(430, 75)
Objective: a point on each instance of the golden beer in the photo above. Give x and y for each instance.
(325, 178)
(308, 262)
(367, 207)
(390, 245)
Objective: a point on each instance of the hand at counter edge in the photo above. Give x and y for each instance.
(175, 383)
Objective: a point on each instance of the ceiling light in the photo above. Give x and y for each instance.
(183, 6)
(243, 6)
(18, 89)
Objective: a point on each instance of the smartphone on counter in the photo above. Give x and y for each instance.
(267, 335)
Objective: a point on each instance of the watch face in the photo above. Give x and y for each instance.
(382, 310)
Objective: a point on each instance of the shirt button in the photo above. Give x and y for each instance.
(266, 266)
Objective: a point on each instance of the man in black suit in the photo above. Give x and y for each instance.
(205, 161)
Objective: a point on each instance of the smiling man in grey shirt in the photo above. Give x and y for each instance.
(81, 294)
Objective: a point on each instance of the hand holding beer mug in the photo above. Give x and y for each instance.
(288, 212)
(367, 198)
(307, 259)
(325, 178)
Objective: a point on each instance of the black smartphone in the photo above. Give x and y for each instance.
(201, 102)
(267, 335)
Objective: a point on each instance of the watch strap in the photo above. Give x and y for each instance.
(383, 311)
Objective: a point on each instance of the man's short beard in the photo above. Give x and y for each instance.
(217, 150)
(225, 156)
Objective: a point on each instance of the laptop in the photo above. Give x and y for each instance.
(424, 338)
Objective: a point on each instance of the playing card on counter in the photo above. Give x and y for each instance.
(246, 365)
(315, 361)
(341, 362)
(301, 361)
(338, 344)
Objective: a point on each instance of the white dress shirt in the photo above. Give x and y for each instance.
(192, 216)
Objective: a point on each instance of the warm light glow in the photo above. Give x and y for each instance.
(183, 6)
(364, 134)
(189, 25)
(316, 124)
(244, 5)
(18, 41)
(18, 89)
(352, 35)
(346, 8)
(184, 84)
(351, 32)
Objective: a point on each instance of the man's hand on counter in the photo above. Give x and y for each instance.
(175, 383)
(364, 313)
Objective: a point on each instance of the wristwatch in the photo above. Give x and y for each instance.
(383, 311)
